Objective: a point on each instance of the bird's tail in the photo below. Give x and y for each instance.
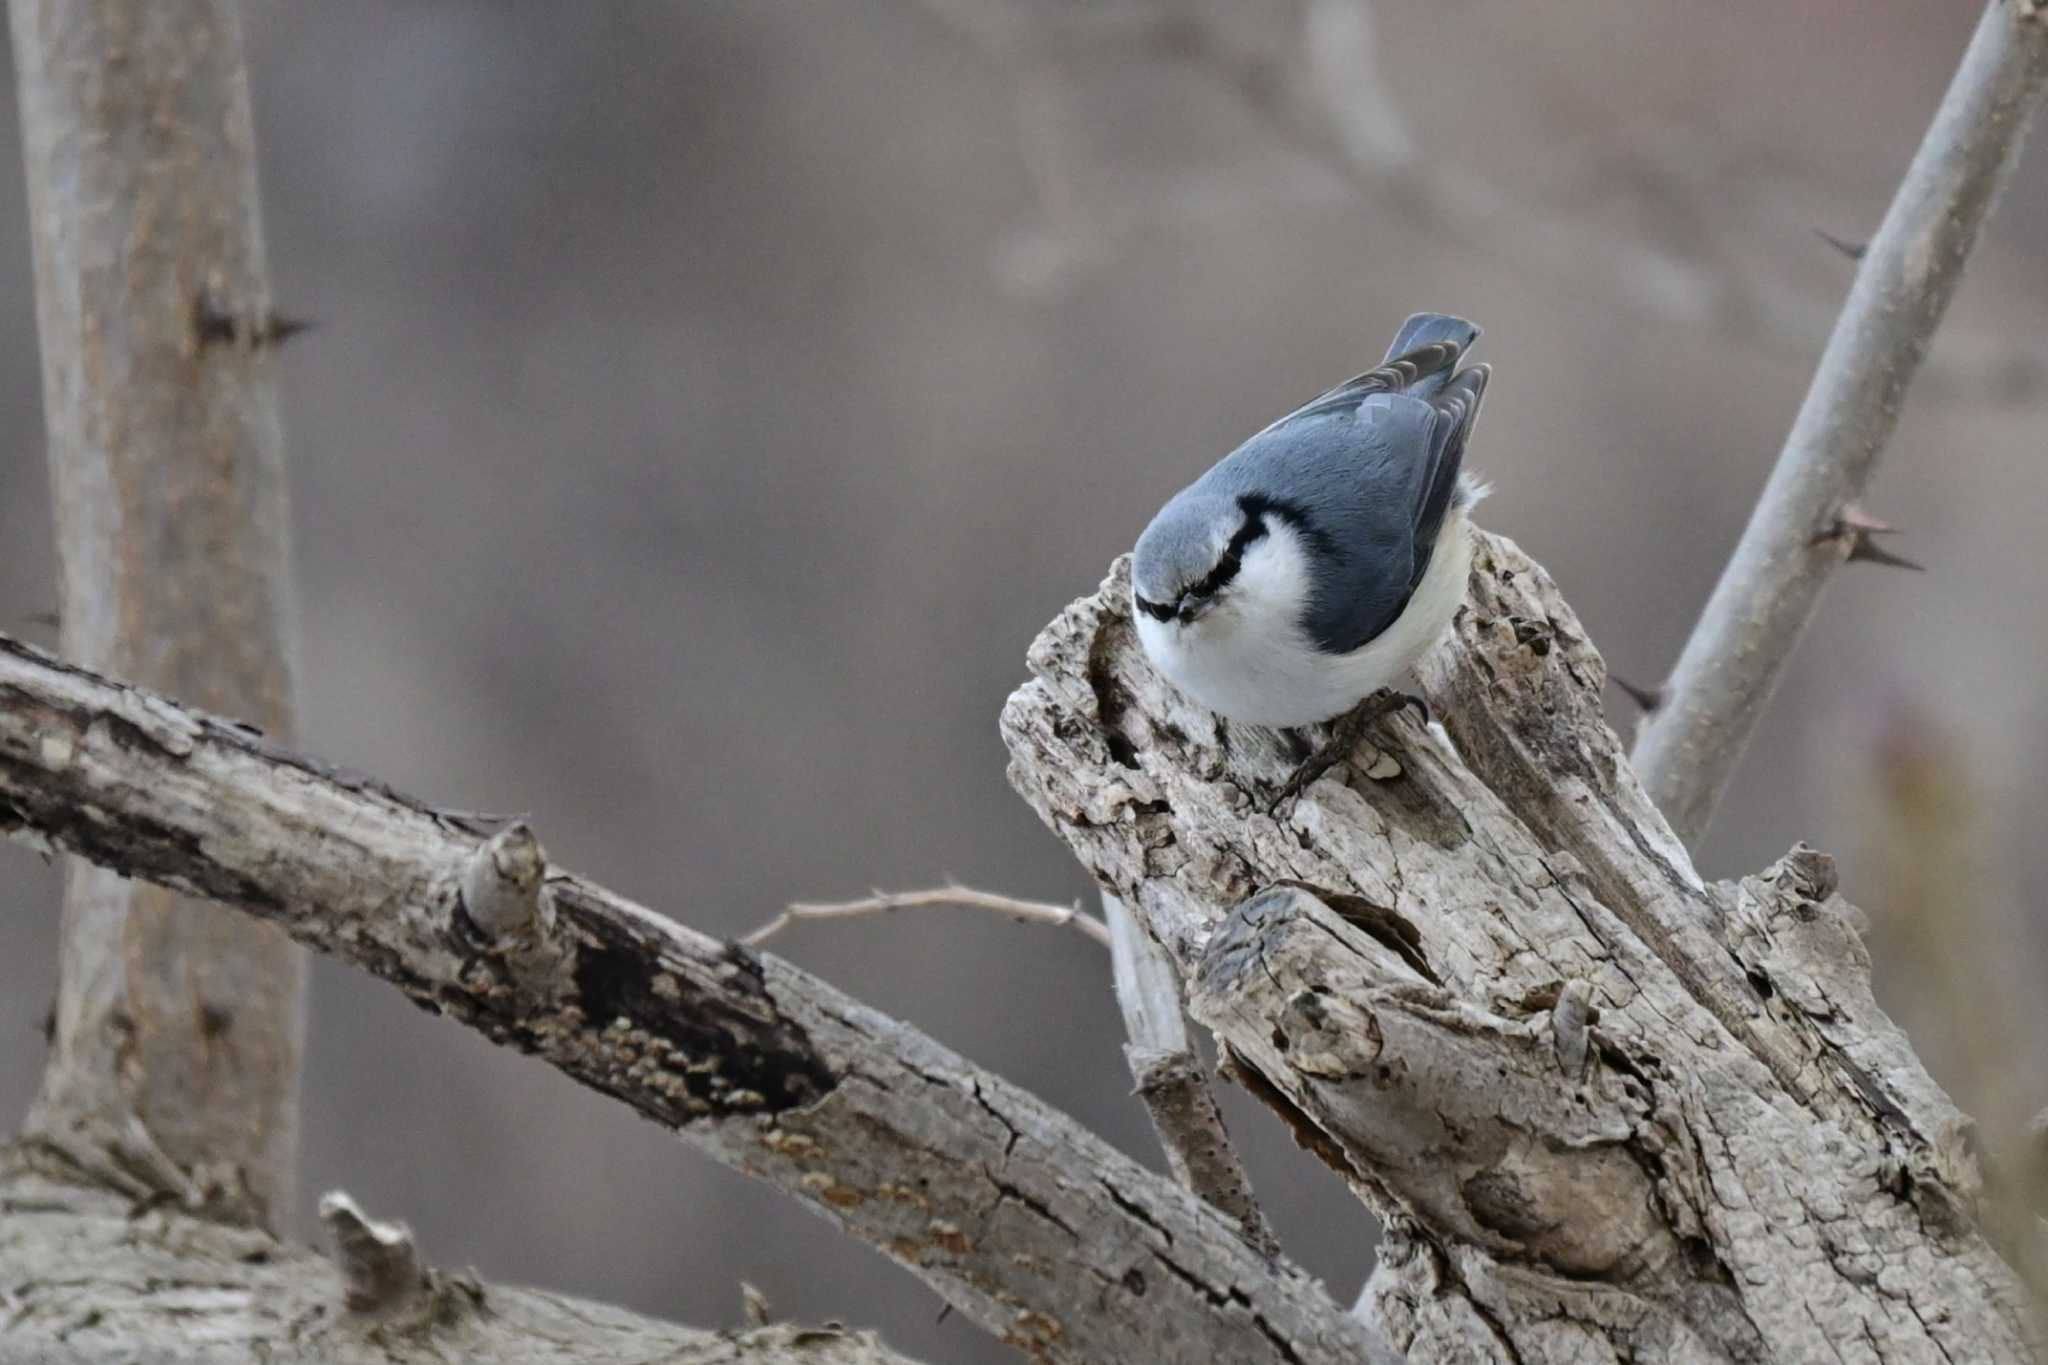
(1429, 330)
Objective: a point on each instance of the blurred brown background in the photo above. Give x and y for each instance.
(713, 399)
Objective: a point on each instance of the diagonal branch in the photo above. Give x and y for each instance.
(1021, 1219)
(1689, 747)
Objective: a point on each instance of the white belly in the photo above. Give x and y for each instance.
(1248, 659)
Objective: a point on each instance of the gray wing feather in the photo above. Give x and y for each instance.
(1368, 472)
(1457, 410)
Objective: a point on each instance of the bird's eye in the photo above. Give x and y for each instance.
(1155, 610)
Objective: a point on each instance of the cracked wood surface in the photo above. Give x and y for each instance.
(88, 1277)
(1716, 1148)
(1021, 1219)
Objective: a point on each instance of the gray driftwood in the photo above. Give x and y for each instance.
(1018, 1217)
(1607, 1111)
(89, 1278)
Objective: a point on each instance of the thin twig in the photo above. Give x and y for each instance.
(1688, 749)
(1169, 1077)
(961, 897)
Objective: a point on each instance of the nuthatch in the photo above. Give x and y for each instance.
(1312, 566)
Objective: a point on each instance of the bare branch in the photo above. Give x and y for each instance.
(1021, 1219)
(1721, 1165)
(964, 897)
(1689, 747)
(1169, 1079)
(177, 1029)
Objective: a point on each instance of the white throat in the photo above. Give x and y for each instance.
(1248, 658)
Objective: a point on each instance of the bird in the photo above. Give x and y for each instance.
(1305, 573)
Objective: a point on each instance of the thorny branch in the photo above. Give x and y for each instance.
(175, 1049)
(1800, 532)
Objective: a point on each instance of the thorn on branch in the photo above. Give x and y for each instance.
(1646, 698)
(503, 886)
(1853, 250)
(1864, 548)
(214, 323)
(1855, 528)
(755, 1304)
(380, 1267)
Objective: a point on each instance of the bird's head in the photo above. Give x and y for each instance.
(1195, 555)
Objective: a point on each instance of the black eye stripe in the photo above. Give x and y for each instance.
(1294, 514)
(1231, 562)
(1153, 609)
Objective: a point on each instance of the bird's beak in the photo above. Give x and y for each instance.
(1193, 609)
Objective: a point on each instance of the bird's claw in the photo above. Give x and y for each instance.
(1345, 733)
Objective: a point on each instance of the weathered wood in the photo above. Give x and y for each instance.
(1028, 1224)
(87, 1278)
(175, 1060)
(1606, 1110)
(1168, 1075)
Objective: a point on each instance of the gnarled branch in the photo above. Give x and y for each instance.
(1028, 1224)
(1605, 1109)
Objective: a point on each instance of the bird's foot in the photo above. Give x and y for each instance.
(1345, 733)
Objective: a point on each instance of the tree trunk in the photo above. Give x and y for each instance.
(176, 1051)
(1606, 1111)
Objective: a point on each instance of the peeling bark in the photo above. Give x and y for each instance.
(1024, 1221)
(1608, 1111)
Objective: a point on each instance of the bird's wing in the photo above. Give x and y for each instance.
(1369, 488)
(1457, 409)
(1367, 473)
(1423, 356)
(1395, 376)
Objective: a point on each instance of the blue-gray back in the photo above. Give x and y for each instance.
(1366, 473)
